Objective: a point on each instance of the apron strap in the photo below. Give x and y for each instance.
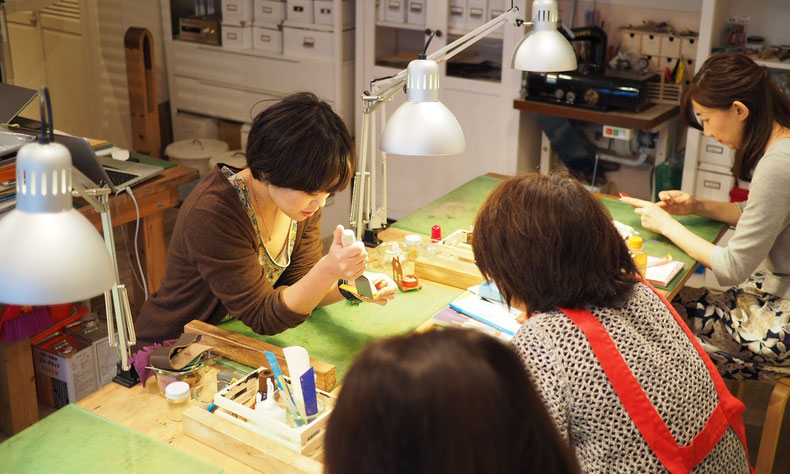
(644, 415)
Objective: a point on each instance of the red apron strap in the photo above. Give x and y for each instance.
(733, 407)
(644, 415)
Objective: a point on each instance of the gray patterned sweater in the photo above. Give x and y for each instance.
(583, 403)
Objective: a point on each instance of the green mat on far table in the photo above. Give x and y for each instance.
(656, 244)
(336, 333)
(453, 211)
(458, 209)
(74, 440)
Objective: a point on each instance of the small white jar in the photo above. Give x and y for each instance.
(177, 395)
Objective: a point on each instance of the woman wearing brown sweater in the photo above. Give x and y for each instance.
(247, 243)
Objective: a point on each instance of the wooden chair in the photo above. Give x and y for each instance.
(772, 424)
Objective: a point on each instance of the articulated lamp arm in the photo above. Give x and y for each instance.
(382, 91)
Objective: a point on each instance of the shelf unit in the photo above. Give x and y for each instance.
(482, 101)
(236, 84)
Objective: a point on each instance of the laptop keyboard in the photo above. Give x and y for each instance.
(119, 177)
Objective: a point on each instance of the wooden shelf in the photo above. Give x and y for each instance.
(774, 63)
(645, 120)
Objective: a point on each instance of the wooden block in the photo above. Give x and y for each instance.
(251, 448)
(448, 271)
(249, 351)
(230, 133)
(18, 401)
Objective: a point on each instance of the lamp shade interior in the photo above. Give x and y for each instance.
(544, 51)
(423, 128)
(51, 258)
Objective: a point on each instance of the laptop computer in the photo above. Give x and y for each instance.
(12, 100)
(104, 170)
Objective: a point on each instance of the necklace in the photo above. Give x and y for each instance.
(262, 220)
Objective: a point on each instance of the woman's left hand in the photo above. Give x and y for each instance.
(654, 218)
(386, 288)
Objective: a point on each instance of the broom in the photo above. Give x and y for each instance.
(21, 322)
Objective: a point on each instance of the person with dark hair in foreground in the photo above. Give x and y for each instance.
(247, 242)
(448, 401)
(746, 328)
(622, 376)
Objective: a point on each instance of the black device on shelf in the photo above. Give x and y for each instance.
(591, 85)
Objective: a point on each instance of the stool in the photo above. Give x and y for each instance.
(772, 425)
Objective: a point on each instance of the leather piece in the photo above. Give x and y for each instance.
(180, 354)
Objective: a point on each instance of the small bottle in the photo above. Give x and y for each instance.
(268, 407)
(413, 247)
(177, 394)
(637, 254)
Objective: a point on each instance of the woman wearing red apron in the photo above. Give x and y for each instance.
(621, 375)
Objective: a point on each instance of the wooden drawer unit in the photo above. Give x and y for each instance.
(278, 75)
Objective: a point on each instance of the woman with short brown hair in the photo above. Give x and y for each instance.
(623, 378)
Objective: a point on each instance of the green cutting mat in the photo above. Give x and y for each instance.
(656, 244)
(74, 440)
(453, 211)
(458, 209)
(336, 333)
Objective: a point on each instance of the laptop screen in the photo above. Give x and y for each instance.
(84, 159)
(13, 99)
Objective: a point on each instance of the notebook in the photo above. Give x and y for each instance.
(104, 170)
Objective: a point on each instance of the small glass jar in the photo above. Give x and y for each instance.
(413, 247)
(177, 395)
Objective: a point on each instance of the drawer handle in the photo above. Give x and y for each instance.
(325, 11)
(496, 13)
(415, 7)
(711, 184)
(267, 10)
(456, 10)
(308, 42)
(232, 36)
(266, 38)
(231, 7)
(719, 150)
(476, 12)
(238, 88)
(298, 9)
(393, 5)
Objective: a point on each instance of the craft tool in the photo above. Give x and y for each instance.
(298, 362)
(307, 382)
(363, 286)
(285, 391)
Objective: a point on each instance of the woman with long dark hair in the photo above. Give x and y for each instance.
(745, 329)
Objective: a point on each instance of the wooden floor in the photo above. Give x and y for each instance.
(755, 397)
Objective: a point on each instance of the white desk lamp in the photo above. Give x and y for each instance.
(423, 125)
(49, 252)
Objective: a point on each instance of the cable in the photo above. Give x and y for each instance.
(137, 250)
(141, 280)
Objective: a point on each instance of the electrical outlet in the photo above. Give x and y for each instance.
(618, 133)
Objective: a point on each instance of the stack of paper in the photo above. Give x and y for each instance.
(661, 271)
(493, 314)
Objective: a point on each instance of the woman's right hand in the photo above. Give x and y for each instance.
(347, 263)
(675, 202)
